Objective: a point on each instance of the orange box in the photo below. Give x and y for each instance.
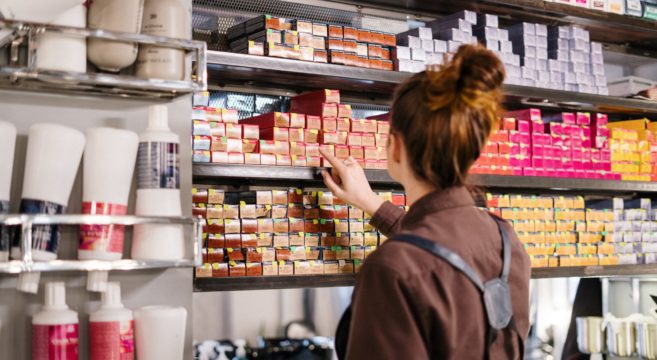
(311, 135)
(297, 149)
(357, 152)
(296, 134)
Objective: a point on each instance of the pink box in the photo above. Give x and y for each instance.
(519, 138)
(576, 143)
(548, 163)
(606, 165)
(537, 150)
(517, 171)
(586, 154)
(559, 173)
(571, 173)
(577, 165)
(523, 126)
(600, 119)
(605, 155)
(586, 143)
(602, 131)
(586, 131)
(556, 128)
(529, 171)
(577, 154)
(537, 139)
(597, 165)
(600, 142)
(568, 164)
(537, 162)
(583, 118)
(587, 165)
(551, 173)
(538, 127)
(525, 114)
(576, 131)
(568, 118)
(548, 150)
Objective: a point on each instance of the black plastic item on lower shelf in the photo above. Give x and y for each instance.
(317, 281)
(210, 173)
(230, 68)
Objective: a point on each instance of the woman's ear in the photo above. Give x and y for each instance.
(396, 144)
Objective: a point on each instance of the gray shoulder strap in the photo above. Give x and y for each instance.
(457, 261)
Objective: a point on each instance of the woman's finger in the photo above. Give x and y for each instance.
(328, 181)
(337, 164)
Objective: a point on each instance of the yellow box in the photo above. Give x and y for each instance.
(565, 249)
(638, 124)
(605, 249)
(553, 261)
(564, 225)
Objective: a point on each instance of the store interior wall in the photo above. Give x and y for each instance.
(140, 288)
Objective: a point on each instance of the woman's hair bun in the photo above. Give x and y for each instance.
(478, 68)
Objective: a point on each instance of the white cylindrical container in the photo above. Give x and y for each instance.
(7, 148)
(163, 18)
(64, 52)
(52, 161)
(160, 332)
(55, 327)
(158, 190)
(109, 162)
(111, 328)
(114, 15)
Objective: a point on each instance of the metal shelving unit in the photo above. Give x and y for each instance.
(27, 264)
(318, 281)
(230, 68)
(22, 73)
(220, 173)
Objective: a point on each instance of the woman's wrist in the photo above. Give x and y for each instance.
(371, 203)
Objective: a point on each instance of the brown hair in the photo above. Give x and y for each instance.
(446, 116)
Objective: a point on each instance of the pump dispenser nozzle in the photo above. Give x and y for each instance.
(55, 298)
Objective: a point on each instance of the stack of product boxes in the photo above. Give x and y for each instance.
(635, 231)
(561, 58)
(217, 130)
(639, 8)
(305, 40)
(283, 232)
(633, 149)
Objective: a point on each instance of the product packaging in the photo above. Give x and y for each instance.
(111, 328)
(160, 332)
(55, 327)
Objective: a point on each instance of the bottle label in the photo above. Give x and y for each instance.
(44, 237)
(113, 340)
(4, 231)
(55, 342)
(158, 166)
(107, 238)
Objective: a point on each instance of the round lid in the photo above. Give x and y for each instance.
(158, 118)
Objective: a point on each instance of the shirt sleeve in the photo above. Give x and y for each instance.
(384, 322)
(387, 219)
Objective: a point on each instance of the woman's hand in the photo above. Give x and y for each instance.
(348, 182)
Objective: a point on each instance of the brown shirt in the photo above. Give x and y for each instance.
(409, 304)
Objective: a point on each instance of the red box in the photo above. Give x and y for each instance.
(235, 158)
(283, 160)
(321, 96)
(234, 131)
(249, 146)
(297, 120)
(341, 151)
(252, 159)
(267, 159)
(297, 149)
(313, 122)
(329, 124)
(311, 135)
(275, 133)
(344, 111)
(525, 114)
(343, 124)
(229, 116)
(356, 152)
(355, 139)
(322, 109)
(217, 128)
(251, 132)
(314, 161)
(296, 134)
(298, 160)
(504, 148)
(269, 120)
(220, 157)
(312, 149)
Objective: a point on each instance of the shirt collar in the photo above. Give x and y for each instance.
(438, 200)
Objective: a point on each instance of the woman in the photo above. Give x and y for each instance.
(410, 302)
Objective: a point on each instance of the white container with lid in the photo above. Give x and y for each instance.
(7, 149)
(170, 18)
(160, 332)
(114, 15)
(64, 52)
(111, 328)
(109, 161)
(158, 190)
(55, 327)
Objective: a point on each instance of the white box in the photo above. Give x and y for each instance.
(541, 30)
(487, 20)
(530, 63)
(453, 46)
(559, 32)
(502, 34)
(401, 53)
(488, 33)
(418, 66)
(578, 56)
(616, 6)
(554, 65)
(598, 69)
(543, 77)
(514, 59)
(579, 45)
(425, 33)
(603, 90)
(542, 42)
(541, 53)
(440, 46)
(596, 47)
(523, 28)
(493, 45)
(577, 32)
(427, 45)
(418, 54)
(542, 64)
(403, 65)
(561, 55)
(435, 58)
(412, 42)
(597, 59)
(454, 35)
(583, 78)
(571, 87)
(600, 80)
(529, 51)
(569, 78)
(577, 67)
(629, 85)
(528, 73)
(600, 5)
(506, 46)
(528, 82)
(556, 77)
(513, 71)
